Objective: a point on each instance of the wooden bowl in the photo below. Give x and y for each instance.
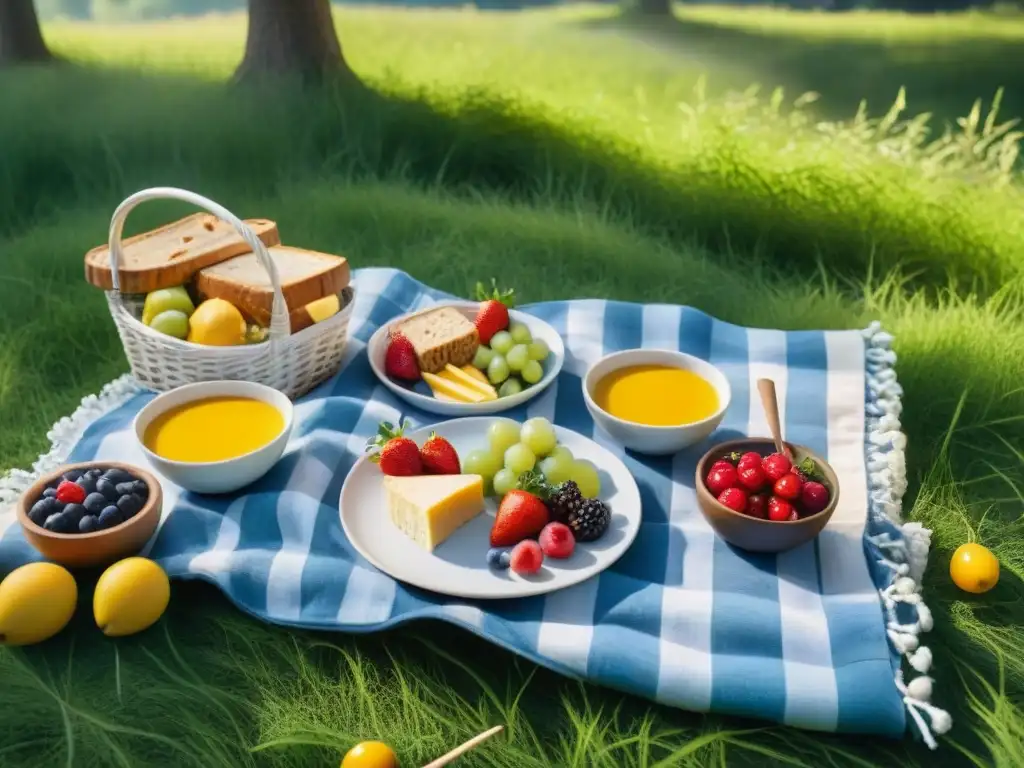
(753, 533)
(86, 550)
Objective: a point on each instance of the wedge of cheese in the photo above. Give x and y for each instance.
(430, 508)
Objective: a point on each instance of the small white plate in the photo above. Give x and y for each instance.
(378, 346)
(458, 567)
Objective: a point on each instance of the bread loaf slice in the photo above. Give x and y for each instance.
(305, 277)
(439, 337)
(172, 254)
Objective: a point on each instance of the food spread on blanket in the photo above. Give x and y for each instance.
(202, 284)
(656, 395)
(467, 361)
(38, 600)
(974, 568)
(84, 501)
(213, 429)
(769, 487)
(370, 754)
(547, 498)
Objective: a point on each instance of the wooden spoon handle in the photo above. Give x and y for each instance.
(462, 749)
(770, 403)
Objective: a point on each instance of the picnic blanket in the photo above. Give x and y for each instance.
(813, 637)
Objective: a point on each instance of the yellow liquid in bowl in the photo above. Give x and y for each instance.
(656, 395)
(213, 429)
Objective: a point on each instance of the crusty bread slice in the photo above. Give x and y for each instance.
(305, 277)
(172, 254)
(440, 336)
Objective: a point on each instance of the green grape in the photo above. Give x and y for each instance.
(160, 301)
(556, 468)
(502, 435)
(520, 333)
(511, 387)
(585, 475)
(539, 436)
(497, 370)
(173, 322)
(532, 372)
(483, 357)
(481, 462)
(504, 481)
(539, 350)
(519, 459)
(564, 453)
(518, 357)
(502, 342)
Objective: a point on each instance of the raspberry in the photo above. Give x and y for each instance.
(556, 540)
(526, 558)
(70, 493)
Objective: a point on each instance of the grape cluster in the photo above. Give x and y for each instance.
(513, 359)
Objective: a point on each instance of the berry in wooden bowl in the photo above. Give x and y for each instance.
(759, 500)
(91, 514)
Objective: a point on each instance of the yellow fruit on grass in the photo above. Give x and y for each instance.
(217, 323)
(974, 568)
(370, 754)
(130, 596)
(36, 602)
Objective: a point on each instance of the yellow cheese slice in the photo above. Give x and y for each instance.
(451, 389)
(476, 373)
(430, 508)
(459, 376)
(321, 309)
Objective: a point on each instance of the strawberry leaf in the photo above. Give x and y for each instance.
(534, 482)
(506, 297)
(809, 469)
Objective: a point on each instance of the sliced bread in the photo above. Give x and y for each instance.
(172, 254)
(305, 277)
(440, 336)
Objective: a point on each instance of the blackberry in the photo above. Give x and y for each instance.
(565, 499)
(589, 519)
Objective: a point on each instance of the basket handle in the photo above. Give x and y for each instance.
(280, 325)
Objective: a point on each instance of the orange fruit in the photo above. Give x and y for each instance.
(370, 754)
(974, 569)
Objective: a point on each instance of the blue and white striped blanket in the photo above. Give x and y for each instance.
(798, 638)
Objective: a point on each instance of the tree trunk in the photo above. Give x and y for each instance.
(656, 7)
(21, 39)
(292, 38)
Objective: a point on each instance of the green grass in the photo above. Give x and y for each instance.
(548, 148)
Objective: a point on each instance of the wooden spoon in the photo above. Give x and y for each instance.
(770, 403)
(462, 749)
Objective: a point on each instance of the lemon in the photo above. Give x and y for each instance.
(217, 323)
(974, 569)
(370, 754)
(130, 596)
(36, 602)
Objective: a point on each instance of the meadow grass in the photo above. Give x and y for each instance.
(550, 153)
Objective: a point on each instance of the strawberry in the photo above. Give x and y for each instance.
(776, 465)
(521, 515)
(722, 479)
(748, 459)
(70, 493)
(757, 505)
(813, 497)
(780, 510)
(400, 359)
(396, 455)
(788, 487)
(492, 316)
(733, 498)
(439, 457)
(752, 477)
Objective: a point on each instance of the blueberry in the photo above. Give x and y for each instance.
(74, 512)
(95, 472)
(43, 508)
(89, 523)
(87, 483)
(130, 505)
(59, 523)
(110, 517)
(116, 476)
(95, 502)
(71, 475)
(107, 488)
(141, 489)
(123, 489)
(505, 560)
(497, 558)
(50, 493)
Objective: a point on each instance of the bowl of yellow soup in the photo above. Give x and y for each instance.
(215, 436)
(656, 401)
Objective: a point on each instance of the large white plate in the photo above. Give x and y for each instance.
(458, 567)
(379, 343)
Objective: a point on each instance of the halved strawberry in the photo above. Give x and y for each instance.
(492, 316)
(396, 455)
(439, 457)
(400, 359)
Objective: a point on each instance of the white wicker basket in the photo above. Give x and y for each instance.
(291, 363)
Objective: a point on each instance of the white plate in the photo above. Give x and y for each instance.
(458, 567)
(378, 345)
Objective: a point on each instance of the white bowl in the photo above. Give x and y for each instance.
(643, 438)
(378, 346)
(216, 476)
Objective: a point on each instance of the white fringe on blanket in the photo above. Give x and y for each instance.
(905, 557)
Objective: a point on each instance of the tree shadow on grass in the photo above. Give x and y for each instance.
(942, 76)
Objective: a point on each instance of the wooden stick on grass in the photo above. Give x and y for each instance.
(462, 749)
